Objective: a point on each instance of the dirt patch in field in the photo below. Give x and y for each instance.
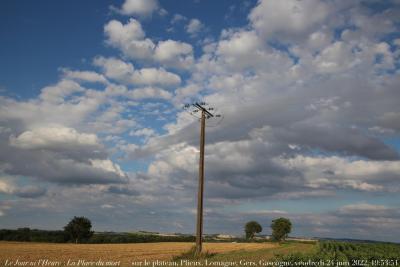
(125, 253)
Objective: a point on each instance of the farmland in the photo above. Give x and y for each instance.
(125, 253)
(348, 254)
(322, 253)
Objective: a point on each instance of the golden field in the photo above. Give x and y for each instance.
(125, 253)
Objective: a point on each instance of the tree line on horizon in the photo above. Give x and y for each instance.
(79, 230)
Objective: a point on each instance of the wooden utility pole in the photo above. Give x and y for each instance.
(199, 228)
(205, 114)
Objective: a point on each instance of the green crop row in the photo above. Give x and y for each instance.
(333, 253)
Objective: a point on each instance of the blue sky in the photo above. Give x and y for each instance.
(91, 119)
(74, 27)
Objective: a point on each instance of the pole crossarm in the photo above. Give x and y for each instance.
(203, 109)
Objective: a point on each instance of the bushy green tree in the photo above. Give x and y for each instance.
(251, 228)
(281, 227)
(79, 228)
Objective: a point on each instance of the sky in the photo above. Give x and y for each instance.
(92, 124)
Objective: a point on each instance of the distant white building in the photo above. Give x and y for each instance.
(262, 237)
(224, 236)
(302, 239)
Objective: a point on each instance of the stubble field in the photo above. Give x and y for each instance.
(125, 253)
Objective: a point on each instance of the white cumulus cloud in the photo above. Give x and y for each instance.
(150, 92)
(126, 73)
(139, 7)
(194, 27)
(288, 17)
(130, 39)
(51, 137)
(84, 76)
(151, 76)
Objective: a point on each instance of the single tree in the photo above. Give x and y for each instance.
(281, 227)
(79, 228)
(251, 228)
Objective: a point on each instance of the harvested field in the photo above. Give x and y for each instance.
(125, 253)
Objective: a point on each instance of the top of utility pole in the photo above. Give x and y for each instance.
(196, 108)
